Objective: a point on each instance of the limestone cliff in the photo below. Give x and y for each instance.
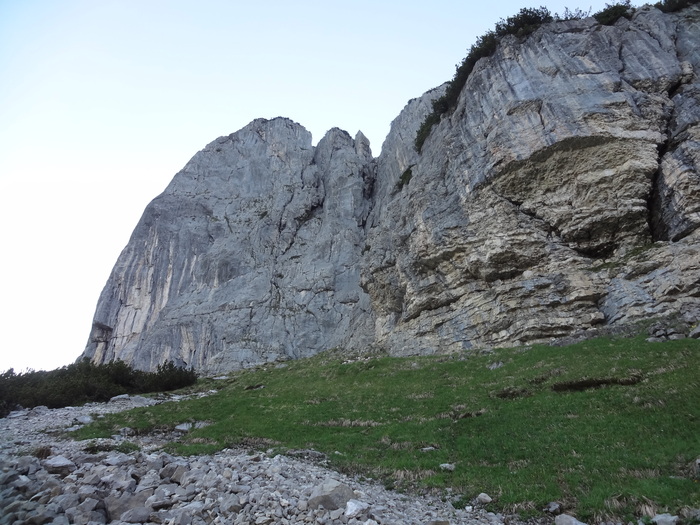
(251, 254)
(561, 195)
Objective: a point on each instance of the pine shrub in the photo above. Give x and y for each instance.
(613, 12)
(670, 6)
(84, 382)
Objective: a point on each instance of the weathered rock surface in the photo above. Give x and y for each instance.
(562, 195)
(251, 254)
(539, 207)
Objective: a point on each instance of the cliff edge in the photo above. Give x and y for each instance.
(562, 194)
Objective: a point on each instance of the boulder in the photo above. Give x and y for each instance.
(59, 465)
(484, 498)
(136, 515)
(331, 494)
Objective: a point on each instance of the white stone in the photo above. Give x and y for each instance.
(566, 519)
(665, 519)
(484, 498)
(354, 508)
(59, 465)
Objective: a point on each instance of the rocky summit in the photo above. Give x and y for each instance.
(562, 195)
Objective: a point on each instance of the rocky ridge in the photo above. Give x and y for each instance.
(75, 482)
(562, 195)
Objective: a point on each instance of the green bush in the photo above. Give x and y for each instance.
(669, 6)
(613, 12)
(83, 382)
(405, 178)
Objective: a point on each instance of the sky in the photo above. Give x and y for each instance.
(102, 102)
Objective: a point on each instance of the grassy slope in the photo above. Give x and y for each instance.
(617, 450)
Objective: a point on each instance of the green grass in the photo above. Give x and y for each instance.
(526, 433)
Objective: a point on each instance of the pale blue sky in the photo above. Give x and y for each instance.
(103, 101)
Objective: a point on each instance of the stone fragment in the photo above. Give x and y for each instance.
(230, 503)
(566, 519)
(553, 507)
(120, 397)
(484, 498)
(59, 465)
(181, 517)
(355, 508)
(118, 459)
(331, 494)
(27, 465)
(66, 501)
(184, 427)
(118, 503)
(179, 473)
(136, 515)
(85, 512)
(695, 332)
(665, 519)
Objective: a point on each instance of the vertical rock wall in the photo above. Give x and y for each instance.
(544, 204)
(562, 194)
(250, 255)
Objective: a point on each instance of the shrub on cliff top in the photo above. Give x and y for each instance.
(669, 6)
(613, 12)
(83, 382)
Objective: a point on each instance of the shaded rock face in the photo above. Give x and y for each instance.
(561, 195)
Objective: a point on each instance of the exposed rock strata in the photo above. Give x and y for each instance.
(561, 195)
(542, 205)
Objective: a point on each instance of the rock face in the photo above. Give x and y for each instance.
(563, 194)
(251, 254)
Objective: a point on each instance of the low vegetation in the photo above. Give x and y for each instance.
(609, 427)
(83, 382)
(669, 6)
(405, 178)
(613, 12)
